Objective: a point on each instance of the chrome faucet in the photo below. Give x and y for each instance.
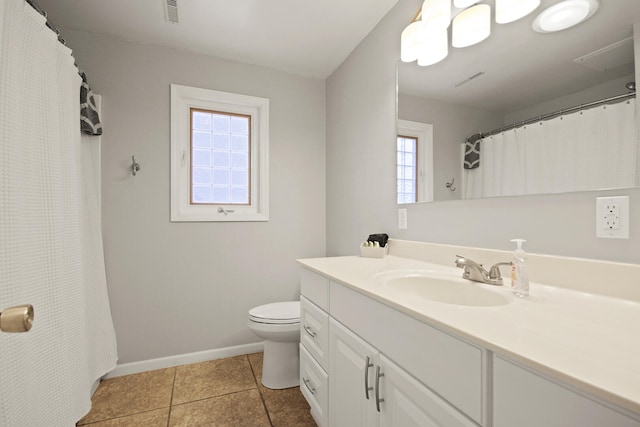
(476, 272)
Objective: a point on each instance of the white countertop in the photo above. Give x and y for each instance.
(586, 340)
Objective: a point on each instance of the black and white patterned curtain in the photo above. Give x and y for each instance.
(89, 118)
(472, 151)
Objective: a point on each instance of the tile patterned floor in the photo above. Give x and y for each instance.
(224, 392)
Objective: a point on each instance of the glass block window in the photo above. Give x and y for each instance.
(220, 158)
(407, 154)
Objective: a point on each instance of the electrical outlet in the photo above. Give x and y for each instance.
(612, 217)
(402, 219)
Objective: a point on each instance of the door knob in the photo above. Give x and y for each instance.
(16, 319)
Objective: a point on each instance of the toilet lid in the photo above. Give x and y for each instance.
(277, 312)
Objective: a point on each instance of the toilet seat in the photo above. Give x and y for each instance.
(276, 313)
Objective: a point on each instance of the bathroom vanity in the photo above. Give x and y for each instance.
(405, 341)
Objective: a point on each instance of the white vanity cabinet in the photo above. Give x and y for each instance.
(558, 359)
(367, 389)
(418, 364)
(454, 369)
(314, 344)
(524, 398)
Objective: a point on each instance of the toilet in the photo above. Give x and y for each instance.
(279, 325)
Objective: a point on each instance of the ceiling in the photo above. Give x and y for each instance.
(304, 37)
(312, 38)
(523, 68)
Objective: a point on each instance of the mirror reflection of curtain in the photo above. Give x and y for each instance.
(592, 149)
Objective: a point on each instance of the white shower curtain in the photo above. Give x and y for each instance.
(50, 239)
(592, 149)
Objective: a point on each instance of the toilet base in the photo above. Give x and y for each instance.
(281, 365)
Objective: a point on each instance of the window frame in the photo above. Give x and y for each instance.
(183, 100)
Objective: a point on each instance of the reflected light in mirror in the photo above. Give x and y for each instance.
(564, 15)
(471, 26)
(512, 10)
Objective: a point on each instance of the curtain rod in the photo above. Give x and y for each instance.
(559, 113)
(53, 28)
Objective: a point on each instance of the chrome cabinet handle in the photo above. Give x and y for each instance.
(306, 383)
(367, 388)
(309, 331)
(378, 400)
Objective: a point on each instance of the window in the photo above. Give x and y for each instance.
(220, 169)
(407, 169)
(414, 154)
(219, 156)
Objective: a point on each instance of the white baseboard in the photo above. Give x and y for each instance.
(183, 359)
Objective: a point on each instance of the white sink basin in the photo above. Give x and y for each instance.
(433, 287)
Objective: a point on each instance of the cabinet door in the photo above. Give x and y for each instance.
(525, 399)
(408, 403)
(351, 360)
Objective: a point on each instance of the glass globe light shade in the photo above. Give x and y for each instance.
(462, 4)
(411, 41)
(471, 26)
(434, 49)
(436, 14)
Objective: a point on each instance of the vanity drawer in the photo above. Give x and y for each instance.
(314, 384)
(453, 368)
(314, 331)
(315, 288)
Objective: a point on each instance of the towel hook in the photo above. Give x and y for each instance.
(450, 186)
(135, 166)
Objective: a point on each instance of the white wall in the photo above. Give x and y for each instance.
(178, 288)
(360, 197)
(605, 90)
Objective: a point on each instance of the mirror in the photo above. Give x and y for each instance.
(514, 75)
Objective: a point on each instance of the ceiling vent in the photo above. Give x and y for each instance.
(609, 57)
(171, 11)
(468, 79)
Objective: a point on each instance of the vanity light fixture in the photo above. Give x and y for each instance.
(425, 38)
(512, 10)
(471, 26)
(564, 14)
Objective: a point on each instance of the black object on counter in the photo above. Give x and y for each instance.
(380, 238)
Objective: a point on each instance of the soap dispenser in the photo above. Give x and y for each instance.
(519, 274)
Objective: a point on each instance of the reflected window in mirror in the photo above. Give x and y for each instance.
(407, 169)
(414, 154)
